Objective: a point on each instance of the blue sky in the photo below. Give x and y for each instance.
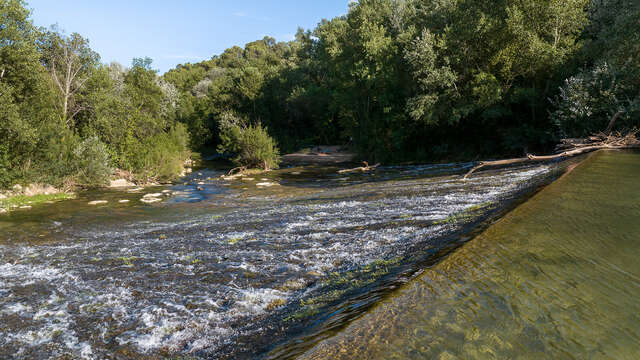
(179, 31)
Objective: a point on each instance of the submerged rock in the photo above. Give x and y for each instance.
(123, 201)
(150, 200)
(266, 184)
(98, 202)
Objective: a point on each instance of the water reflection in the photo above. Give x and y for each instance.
(558, 278)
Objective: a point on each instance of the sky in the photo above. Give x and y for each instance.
(172, 32)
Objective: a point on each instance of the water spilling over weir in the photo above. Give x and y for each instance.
(230, 271)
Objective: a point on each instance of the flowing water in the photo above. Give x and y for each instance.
(557, 278)
(227, 269)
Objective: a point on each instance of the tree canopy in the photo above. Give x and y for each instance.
(396, 80)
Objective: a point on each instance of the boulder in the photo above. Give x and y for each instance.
(17, 188)
(3, 196)
(120, 183)
(39, 189)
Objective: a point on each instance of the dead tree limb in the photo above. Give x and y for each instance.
(613, 121)
(237, 170)
(364, 168)
(611, 142)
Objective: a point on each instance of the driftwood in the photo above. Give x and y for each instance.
(364, 168)
(237, 170)
(593, 143)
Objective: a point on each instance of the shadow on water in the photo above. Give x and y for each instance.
(225, 269)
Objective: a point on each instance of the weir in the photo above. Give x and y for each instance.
(556, 278)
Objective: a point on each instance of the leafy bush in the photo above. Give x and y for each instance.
(251, 144)
(590, 100)
(6, 175)
(92, 163)
(160, 157)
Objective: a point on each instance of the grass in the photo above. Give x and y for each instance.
(23, 200)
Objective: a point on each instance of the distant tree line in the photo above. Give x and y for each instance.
(396, 80)
(428, 80)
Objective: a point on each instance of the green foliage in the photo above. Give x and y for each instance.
(65, 118)
(395, 80)
(160, 157)
(251, 144)
(398, 80)
(92, 163)
(70, 62)
(610, 88)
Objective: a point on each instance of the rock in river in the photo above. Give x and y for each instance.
(120, 183)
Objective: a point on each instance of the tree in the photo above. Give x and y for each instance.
(70, 62)
(251, 145)
(25, 96)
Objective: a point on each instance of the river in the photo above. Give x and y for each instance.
(234, 269)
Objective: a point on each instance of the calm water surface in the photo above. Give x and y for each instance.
(558, 278)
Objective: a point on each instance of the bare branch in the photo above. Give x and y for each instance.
(613, 120)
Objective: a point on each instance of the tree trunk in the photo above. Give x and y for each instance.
(613, 121)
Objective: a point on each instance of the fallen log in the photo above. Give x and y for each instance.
(606, 142)
(237, 170)
(364, 168)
